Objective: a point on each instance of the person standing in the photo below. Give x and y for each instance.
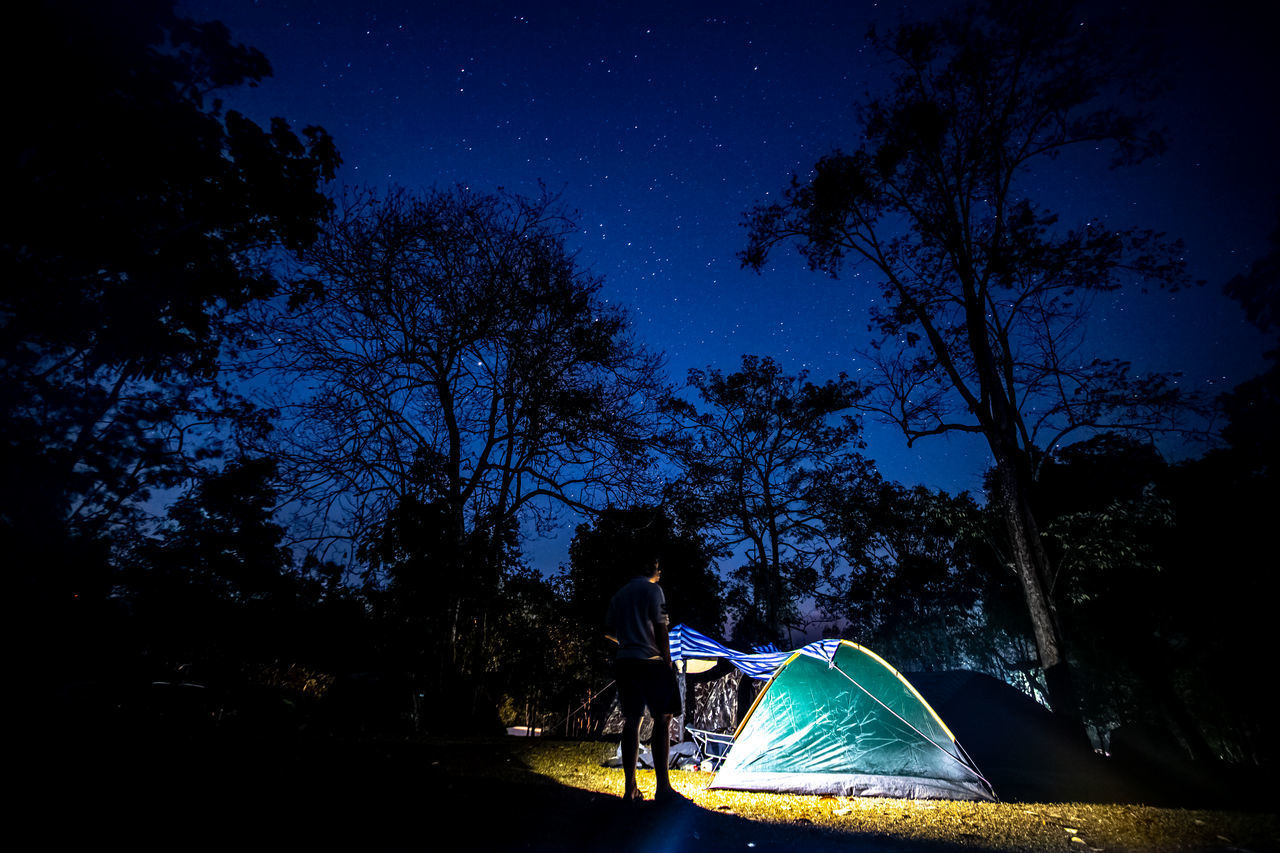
(645, 676)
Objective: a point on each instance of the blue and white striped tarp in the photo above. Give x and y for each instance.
(688, 643)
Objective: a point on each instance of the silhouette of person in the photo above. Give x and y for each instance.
(645, 675)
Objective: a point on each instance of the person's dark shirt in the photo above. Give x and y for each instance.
(634, 613)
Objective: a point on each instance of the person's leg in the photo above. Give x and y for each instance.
(630, 755)
(661, 751)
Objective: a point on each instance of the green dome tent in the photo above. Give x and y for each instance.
(850, 726)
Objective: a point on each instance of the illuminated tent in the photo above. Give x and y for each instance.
(835, 718)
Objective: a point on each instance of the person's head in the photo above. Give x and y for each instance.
(651, 568)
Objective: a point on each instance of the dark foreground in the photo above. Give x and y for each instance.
(165, 789)
(367, 796)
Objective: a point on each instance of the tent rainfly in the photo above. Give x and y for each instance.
(836, 718)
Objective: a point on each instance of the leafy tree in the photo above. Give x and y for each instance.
(617, 545)
(439, 600)
(169, 210)
(1212, 620)
(1216, 624)
(216, 592)
(223, 535)
(751, 450)
(1253, 408)
(1105, 518)
(535, 652)
(141, 214)
(983, 295)
(448, 373)
(920, 583)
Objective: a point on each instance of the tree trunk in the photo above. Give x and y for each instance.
(1030, 565)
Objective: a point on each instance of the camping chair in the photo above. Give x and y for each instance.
(713, 745)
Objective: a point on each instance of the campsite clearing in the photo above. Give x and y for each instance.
(934, 824)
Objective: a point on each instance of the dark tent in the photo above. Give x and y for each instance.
(1021, 747)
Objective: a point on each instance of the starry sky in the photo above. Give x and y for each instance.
(662, 123)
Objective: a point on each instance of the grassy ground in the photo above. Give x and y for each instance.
(285, 791)
(986, 826)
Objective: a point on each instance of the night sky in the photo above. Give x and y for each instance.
(662, 123)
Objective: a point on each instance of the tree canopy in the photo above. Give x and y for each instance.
(620, 543)
(983, 293)
(752, 450)
(139, 214)
(140, 208)
(446, 347)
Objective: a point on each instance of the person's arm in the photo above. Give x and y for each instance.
(663, 640)
(611, 622)
(660, 621)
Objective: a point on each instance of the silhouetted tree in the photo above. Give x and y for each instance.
(1214, 620)
(1218, 624)
(751, 449)
(982, 294)
(216, 594)
(617, 545)
(1105, 519)
(449, 373)
(438, 599)
(140, 213)
(1253, 408)
(535, 652)
(920, 583)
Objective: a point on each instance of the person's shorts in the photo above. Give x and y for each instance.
(647, 683)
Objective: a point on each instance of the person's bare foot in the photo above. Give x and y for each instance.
(669, 796)
(632, 796)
